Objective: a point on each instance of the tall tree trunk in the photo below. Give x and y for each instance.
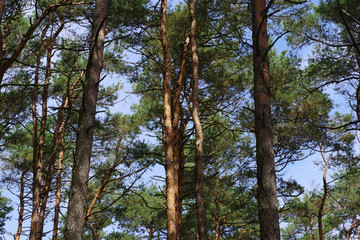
(171, 167)
(22, 206)
(323, 199)
(37, 161)
(179, 133)
(77, 200)
(48, 176)
(199, 162)
(266, 179)
(59, 143)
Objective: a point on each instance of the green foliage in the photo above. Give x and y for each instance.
(5, 209)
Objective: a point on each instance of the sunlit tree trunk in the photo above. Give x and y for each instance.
(266, 179)
(171, 167)
(78, 192)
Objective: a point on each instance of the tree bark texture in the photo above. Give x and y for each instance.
(266, 179)
(199, 162)
(78, 192)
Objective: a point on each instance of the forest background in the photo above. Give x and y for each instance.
(192, 158)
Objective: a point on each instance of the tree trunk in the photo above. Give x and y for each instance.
(22, 206)
(37, 161)
(58, 194)
(266, 179)
(59, 143)
(323, 199)
(78, 192)
(171, 167)
(179, 134)
(48, 176)
(199, 171)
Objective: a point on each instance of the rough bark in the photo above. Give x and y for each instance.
(323, 199)
(199, 155)
(22, 206)
(266, 179)
(78, 192)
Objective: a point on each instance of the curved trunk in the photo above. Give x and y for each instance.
(199, 162)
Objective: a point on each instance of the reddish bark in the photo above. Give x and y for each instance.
(266, 179)
(171, 167)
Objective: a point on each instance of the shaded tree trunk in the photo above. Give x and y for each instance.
(323, 199)
(266, 179)
(78, 192)
(37, 161)
(179, 133)
(22, 206)
(48, 176)
(59, 140)
(199, 162)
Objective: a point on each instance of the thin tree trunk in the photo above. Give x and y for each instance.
(48, 177)
(59, 143)
(323, 199)
(58, 193)
(37, 161)
(199, 162)
(78, 192)
(181, 177)
(179, 134)
(266, 179)
(171, 167)
(22, 206)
